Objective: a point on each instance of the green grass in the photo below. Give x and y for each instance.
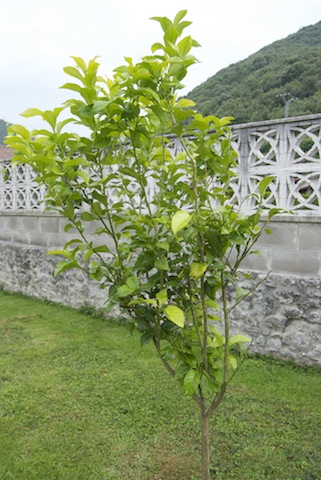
(79, 399)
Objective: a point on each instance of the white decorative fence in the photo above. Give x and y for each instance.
(18, 189)
(289, 149)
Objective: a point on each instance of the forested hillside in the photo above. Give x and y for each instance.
(247, 90)
(3, 130)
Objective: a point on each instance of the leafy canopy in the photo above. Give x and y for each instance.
(156, 225)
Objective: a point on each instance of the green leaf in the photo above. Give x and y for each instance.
(160, 113)
(101, 249)
(87, 216)
(76, 162)
(32, 112)
(257, 252)
(232, 361)
(74, 72)
(143, 301)
(213, 304)
(162, 264)
(72, 86)
(65, 265)
(175, 315)
(239, 339)
(146, 338)
(19, 130)
(73, 241)
(185, 46)
(50, 116)
(275, 211)
(185, 103)
(99, 106)
(179, 16)
(192, 381)
(133, 283)
(241, 293)
(124, 291)
(80, 62)
(59, 252)
(157, 46)
(197, 270)
(180, 220)
(162, 297)
(84, 175)
(264, 183)
(163, 246)
(177, 129)
(217, 334)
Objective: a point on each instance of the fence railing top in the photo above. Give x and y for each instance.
(279, 121)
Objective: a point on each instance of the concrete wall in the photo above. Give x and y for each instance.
(29, 228)
(293, 247)
(283, 316)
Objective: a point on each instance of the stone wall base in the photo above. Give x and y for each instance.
(282, 316)
(29, 270)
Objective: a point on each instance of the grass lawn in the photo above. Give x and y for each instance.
(81, 400)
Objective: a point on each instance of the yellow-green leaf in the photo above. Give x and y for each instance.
(180, 220)
(232, 361)
(142, 301)
(239, 339)
(264, 183)
(31, 112)
(197, 270)
(124, 291)
(76, 162)
(162, 296)
(175, 315)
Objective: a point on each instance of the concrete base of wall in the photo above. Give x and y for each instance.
(283, 315)
(293, 247)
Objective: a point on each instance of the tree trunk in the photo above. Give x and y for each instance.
(205, 446)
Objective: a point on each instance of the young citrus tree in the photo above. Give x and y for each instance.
(164, 235)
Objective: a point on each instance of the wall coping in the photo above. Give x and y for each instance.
(280, 218)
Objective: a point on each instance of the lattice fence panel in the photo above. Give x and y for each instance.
(288, 149)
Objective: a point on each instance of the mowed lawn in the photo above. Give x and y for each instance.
(81, 400)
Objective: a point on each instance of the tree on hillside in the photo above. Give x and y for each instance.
(155, 226)
(248, 89)
(3, 131)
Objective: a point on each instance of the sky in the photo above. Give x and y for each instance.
(38, 37)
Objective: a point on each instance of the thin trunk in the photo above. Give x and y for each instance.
(205, 445)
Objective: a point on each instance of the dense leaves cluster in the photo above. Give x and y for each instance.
(248, 89)
(155, 225)
(166, 239)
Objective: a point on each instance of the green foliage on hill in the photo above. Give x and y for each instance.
(3, 131)
(248, 89)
